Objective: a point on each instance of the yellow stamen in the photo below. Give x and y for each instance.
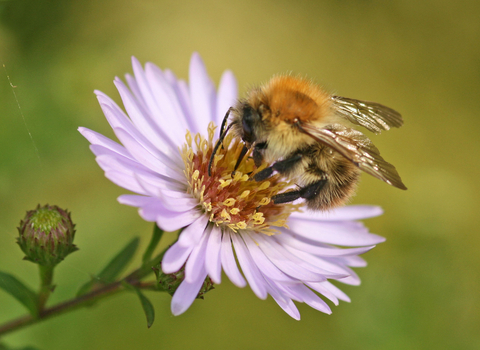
(232, 200)
(264, 186)
(225, 215)
(229, 202)
(244, 194)
(241, 225)
(265, 201)
(224, 183)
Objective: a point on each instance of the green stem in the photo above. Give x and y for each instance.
(133, 279)
(46, 286)
(156, 237)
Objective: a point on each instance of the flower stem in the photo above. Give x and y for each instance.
(102, 292)
(46, 287)
(60, 308)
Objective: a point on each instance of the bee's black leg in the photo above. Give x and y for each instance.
(307, 192)
(264, 174)
(286, 197)
(312, 190)
(257, 154)
(281, 166)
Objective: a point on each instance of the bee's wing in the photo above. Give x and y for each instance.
(371, 115)
(354, 145)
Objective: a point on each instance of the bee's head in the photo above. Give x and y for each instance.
(250, 123)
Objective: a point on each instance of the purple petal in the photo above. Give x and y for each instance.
(254, 277)
(134, 200)
(336, 291)
(137, 94)
(355, 261)
(349, 212)
(336, 271)
(192, 234)
(157, 103)
(346, 233)
(117, 119)
(156, 161)
(212, 258)
(228, 262)
(202, 93)
(98, 139)
(148, 122)
(167, 99)
(126, 181)
(285, 303)
(181, 90)
(352, 279)
(227, 95)
(133, 176)
(186, 294)
(310, 298)
(169, 220)
(196, 262)
(179, 204)
(289, 238)
(319, 287)
(291, 264)
(109, 160)
(263, 263)
(175, 257)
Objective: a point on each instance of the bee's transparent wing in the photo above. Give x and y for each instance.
(354, 145)
(371, 115)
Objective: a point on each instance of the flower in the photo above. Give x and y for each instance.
(167, 136)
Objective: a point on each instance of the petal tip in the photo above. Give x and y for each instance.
(196, 61)
(177, 309)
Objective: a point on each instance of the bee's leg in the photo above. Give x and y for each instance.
(281, 166)
(307, 192)
(264, 174)
(257, 154)
(312, 190)
(286, 197)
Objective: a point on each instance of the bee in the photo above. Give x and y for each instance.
(306, 135)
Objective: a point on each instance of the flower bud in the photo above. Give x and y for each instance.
(170, 282)
(46, 235)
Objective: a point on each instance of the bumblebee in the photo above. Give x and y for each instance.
(306, 135)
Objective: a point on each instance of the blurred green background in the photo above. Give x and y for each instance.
(421, 288)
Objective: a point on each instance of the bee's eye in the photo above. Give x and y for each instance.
(249, 118)
(247, 128)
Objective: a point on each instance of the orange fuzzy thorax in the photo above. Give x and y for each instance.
(290, 98)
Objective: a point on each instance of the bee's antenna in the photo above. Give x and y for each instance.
(223, 133)
(224, 122)
(240, 157)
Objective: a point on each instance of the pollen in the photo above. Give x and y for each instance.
(232, 199)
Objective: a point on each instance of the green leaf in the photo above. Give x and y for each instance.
(119, 262)
(156, 236)
(19, 291)
(146, 304)
(86, 287)
(114, 268)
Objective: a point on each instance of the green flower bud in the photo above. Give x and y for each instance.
(169, 283)
(46, 235)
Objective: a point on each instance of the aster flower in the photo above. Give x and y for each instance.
(167, 138)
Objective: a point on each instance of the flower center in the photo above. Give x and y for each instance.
(232, 198)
